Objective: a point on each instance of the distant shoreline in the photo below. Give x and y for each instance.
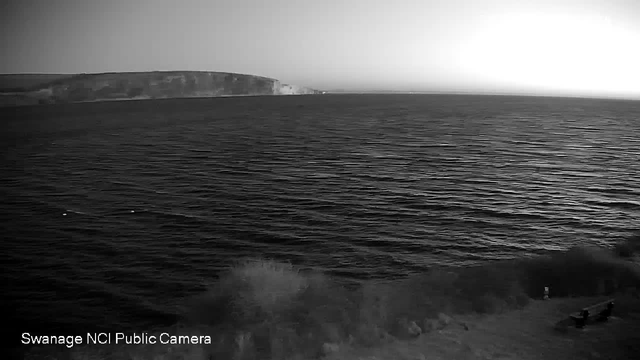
(146, 99)
(18, 104)
(36, 89)
(382, 92)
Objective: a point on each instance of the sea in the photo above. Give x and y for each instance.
(116, 213)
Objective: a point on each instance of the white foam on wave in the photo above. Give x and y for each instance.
(75, 212)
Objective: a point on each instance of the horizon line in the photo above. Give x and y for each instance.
(477, 93)
(371, 91)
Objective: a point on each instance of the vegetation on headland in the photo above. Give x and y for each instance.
(27, 82)
(268, 310)
(29, 89)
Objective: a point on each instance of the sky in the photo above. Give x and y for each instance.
(566, 47)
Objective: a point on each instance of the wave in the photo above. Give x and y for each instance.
(626, 205)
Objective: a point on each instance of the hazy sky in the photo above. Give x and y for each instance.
(560, 46)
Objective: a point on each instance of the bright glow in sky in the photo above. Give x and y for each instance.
(570, 47)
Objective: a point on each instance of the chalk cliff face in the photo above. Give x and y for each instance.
(286, 89)
(149, 85)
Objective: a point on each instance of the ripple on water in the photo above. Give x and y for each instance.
(163, 193)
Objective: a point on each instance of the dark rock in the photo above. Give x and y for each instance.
(330, 348)
(407, 329)
(444, 319)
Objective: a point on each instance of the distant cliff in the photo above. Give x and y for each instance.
(26, 89)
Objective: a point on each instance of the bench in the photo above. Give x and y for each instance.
(598, 312)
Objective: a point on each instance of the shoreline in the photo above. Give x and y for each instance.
(528, 333)
(266, 310)
(143, 99)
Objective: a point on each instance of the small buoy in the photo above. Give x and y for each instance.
(64, 214)
(132, 211)
(546, 293)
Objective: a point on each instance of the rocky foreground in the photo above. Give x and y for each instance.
(529, 333)
(267, 310)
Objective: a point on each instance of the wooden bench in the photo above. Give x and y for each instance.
(598, 312)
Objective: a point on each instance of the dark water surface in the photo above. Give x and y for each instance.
(116, 212)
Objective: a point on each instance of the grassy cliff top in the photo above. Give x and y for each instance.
(21, 82)
(29, 82)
